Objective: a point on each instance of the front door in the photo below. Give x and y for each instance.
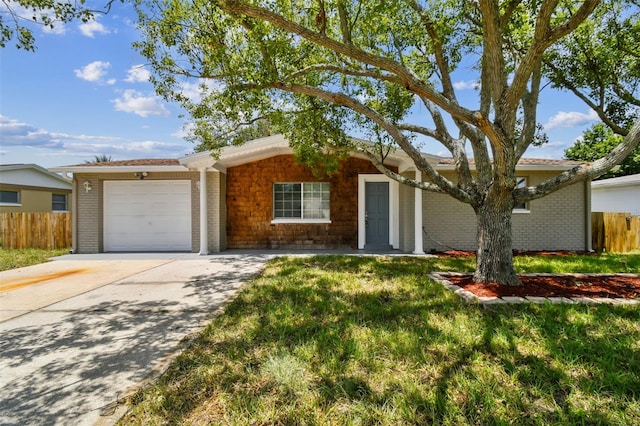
(377, 213)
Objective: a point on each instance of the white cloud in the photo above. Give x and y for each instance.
(24, 137)
(185, 131)
(59, 28)
(137, 73)
(137, 103)
(95, 72)
(19, 134)
(93, 27)
(466, 85)
(570, 119)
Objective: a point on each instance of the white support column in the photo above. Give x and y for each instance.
(417, 218)
(204, 232)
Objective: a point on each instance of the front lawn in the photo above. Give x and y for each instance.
(365, 340)
(11, 259)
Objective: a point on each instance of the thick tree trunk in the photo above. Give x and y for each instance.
(495, 256)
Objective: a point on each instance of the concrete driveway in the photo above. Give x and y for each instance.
(79, 333)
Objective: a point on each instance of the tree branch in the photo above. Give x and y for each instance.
(597, 108)
(409, 81)
(397, 176)
(343, 100)
(543, 38)
(342, 70)
(441, 59)
(583, 172)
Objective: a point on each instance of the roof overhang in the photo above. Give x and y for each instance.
(116, 169)
(522, 167)
(631, 180)
(272, 146)
(64, 182)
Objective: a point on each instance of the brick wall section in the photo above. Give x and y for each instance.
(555, 222)
(89, 212)
(88, 215)
(250, 205)
(216, 220)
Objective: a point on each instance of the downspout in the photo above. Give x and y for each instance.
(587, 201)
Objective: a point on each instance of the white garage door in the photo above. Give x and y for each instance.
(147, 215)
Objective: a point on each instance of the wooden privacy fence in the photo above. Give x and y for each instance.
(35, 230)
(615, 232)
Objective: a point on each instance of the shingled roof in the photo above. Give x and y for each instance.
(133, 163)
(526, 162)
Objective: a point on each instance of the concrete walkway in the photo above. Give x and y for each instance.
(78, 333)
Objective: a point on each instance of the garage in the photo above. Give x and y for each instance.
(147, 215)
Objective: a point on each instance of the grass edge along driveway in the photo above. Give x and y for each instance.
(370, 340)
(12, 259)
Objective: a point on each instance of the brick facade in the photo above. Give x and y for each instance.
(555, 222)
(250, 205)
(240, 211)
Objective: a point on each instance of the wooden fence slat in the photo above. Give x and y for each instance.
(35, 230)
(615, 232)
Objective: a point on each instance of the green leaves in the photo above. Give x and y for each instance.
(15, 17)
(600, 62)
(320, 70)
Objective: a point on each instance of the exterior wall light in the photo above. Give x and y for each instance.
(140, 175)
(87, 186)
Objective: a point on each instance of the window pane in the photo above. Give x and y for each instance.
(301, 200)
(12, 197)
(59, 202)
(287, 200)
(521, 182)
(316, 200)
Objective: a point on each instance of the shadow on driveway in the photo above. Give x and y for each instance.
(70, 362)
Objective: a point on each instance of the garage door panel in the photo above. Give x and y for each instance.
(147, 216)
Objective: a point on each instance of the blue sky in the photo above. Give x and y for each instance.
(84, 92)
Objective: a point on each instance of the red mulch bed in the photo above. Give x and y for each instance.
(465, 253)
(611, 286)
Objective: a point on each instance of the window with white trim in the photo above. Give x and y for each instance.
(10, 198)
(301, 201)
(59, 202)
(521, 182)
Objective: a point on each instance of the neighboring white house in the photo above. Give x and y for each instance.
(621, 194)
(30, 188)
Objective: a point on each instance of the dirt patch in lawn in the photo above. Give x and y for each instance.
(611, 286)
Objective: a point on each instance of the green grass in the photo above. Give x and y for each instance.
(602, 263)
(364, 341)
(11, 259)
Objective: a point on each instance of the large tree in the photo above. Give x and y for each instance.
(321, 70)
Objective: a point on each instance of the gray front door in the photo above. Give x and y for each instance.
(377, 213)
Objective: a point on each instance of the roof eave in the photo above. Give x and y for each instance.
(524, 167)
(117, 169)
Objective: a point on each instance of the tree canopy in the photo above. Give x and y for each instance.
(322, 70)
(18, 17)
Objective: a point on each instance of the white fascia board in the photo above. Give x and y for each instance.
(34, 168)
(117, 169)
(235, 155)
(631, 180)
(526, 167)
